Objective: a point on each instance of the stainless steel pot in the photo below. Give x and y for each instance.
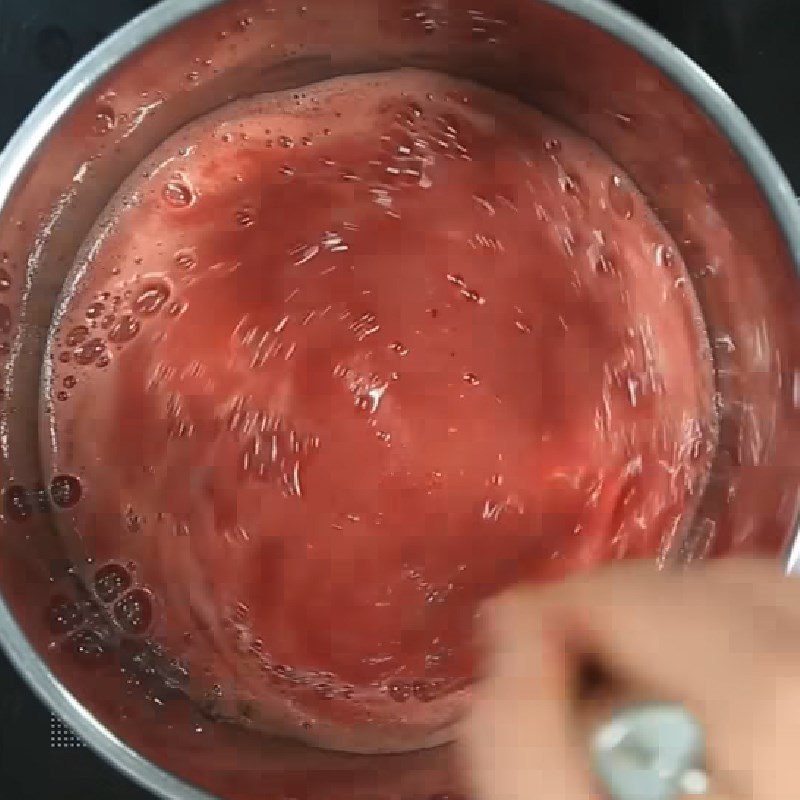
(703, 167)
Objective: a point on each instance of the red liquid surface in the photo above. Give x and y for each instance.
(338, 365)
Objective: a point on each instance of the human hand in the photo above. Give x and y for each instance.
(722, 638)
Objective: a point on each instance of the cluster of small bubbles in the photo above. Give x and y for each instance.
(620, 197)
(245, 218)
(175, 308)
(286, 141)
(105, 120)
(552, 146)
(485, 28)
(471, 295)
(111, 581)
(63, 615)
(426, 690)
(125, 329)
(66, 490)
(471, 378)
(132, 520)
(17, 504)
(90, 351)
(423, 18)
(177, 192)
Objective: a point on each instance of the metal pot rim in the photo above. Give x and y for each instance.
(125, 42)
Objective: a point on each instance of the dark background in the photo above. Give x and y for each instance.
(752, 47)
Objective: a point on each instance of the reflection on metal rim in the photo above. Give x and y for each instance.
(58, 102)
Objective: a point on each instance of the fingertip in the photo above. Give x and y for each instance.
(517, 740)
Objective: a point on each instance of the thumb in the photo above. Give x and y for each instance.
(519, 741)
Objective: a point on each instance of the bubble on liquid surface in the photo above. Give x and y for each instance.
(399, 348)
(111, 581)
(151, 299)
(177, 192)
(552, 146)
(17, 504)
(665, 257)
(77, 335)
(620, 197)
(134, 612)
(65, 490)
(5, 280)
(95, 310)
(186, 258)
(570, 184)
(88, 647)
(245, 218)
(399, 691)
(603, 264)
